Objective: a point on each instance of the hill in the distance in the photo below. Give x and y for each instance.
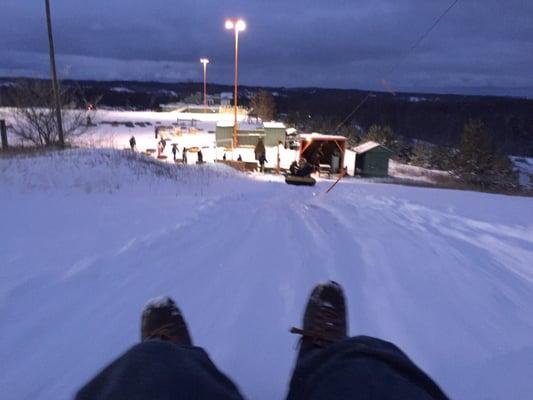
(436, 118)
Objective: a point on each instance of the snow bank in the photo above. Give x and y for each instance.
(92, 170)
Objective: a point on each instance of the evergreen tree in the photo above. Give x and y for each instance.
(479, 163)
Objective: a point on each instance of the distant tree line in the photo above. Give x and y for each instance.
(476, 161)
(438, 119)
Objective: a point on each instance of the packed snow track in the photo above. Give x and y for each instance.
(87, 239)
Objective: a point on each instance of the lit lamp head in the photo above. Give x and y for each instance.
(229, 24)
(204, 61)
(239, 25)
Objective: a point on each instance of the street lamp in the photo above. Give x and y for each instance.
(237, 26)
(205, 61)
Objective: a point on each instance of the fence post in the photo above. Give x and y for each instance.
(3, 133)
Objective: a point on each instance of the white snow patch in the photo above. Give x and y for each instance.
(444, 274)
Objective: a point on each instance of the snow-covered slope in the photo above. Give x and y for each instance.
(87, 237)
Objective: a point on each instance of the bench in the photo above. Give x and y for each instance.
(324, 169)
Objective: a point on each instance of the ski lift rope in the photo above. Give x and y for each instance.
(400, 61)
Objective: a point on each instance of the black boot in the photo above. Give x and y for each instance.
(324, 319)
(162, 319)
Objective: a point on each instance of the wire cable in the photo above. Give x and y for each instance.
(400, 61)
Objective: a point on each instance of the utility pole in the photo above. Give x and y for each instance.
(54, 76)
(235, 93)
(205, 61)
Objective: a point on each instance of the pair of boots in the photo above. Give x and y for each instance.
(324, 320)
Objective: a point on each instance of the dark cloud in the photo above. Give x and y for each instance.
(479, 46)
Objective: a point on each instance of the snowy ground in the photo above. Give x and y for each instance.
(87, 237)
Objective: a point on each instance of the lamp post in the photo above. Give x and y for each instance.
(205, 61)
(237, 26)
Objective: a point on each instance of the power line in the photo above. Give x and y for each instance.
(401, 60)
(423, 36)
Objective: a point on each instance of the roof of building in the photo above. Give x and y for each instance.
(363, 148)
(274, 124)
(225, 124)
(320, 136)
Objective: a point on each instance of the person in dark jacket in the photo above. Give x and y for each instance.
(239, 158)
(304, 168)
(262, 161)
(184, 154)
(133, 143)
(200, 157)
(174, 150)
(329, 365)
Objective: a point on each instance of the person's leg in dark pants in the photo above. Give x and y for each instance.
(165, 365)
(332, 366)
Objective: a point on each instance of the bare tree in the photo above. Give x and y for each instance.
(34, 113)
(264, 105)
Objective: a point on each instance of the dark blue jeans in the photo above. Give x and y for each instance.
(357, 368)
(361, 367)
(158, 370)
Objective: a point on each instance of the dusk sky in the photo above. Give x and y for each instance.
(479, 47)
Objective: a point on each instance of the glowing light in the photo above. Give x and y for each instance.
(240, 25)
(204, 60)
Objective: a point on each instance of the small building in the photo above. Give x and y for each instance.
(274, 133)
(226, 98)
(271, 132)
(326, 152)
(372, 159)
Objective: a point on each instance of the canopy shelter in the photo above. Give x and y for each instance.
(323, 151)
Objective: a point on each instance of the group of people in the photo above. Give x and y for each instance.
(301, 168)
(329, 364)
(161, 146)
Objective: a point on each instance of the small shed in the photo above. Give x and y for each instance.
(271, 132)
(323, 151)
(372, 159)
(274, 133)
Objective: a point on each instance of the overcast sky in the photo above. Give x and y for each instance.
(479, 47)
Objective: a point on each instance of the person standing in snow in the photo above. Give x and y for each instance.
(166, 365)
(184, 154)
(262, 161)
(133, 143)
(200, 157)
(239, 158)
(224, 157)
(174, 151)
